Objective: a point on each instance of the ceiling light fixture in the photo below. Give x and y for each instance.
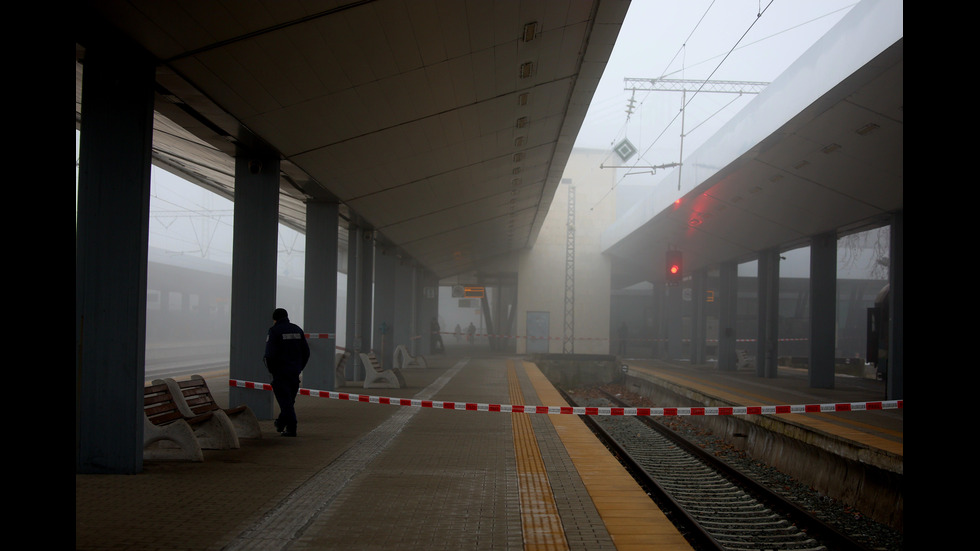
(529, 31)
(522, 99)
(526, 69)
(867, 129)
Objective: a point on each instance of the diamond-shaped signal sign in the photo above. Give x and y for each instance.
(625, 150)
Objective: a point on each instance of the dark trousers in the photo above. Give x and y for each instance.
(285, 385)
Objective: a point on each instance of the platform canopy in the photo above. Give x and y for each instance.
(443, 127)
(820, 150)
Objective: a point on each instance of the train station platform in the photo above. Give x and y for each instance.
(377, 476)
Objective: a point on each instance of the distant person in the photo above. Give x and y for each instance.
(470, 333)
(286, 354)
(458, 333)
(624, 333)
(436, 338)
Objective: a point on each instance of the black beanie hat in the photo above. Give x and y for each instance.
(279, 314)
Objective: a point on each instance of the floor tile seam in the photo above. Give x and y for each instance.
(289, 518)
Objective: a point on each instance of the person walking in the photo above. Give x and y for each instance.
(286, 354)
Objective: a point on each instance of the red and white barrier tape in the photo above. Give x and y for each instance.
(630, 339)
(570, 410)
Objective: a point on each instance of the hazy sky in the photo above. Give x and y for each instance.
(696, 39)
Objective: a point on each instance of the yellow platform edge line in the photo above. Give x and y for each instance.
(853, 430)
(633, 520)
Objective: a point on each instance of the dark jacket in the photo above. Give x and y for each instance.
(286, 348)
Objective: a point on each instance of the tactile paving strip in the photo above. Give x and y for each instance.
(539, 514)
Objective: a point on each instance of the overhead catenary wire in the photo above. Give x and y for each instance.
(735, 46)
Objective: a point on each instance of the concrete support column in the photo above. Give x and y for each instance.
(428, 307)
(699, 321)
(728, 313)
(385, 262)
(253, 276)
(823, 309)
(360, 282)
(111, 232)
(320, 293)
(657, 331)
(674, 313)
(405, 304)
(767, 346)
(895, 386)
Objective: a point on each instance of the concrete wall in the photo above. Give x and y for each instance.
(542, 268)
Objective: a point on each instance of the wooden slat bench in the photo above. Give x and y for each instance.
(164, 424)
(340, 369)
(213, 430)
(742, 359)
(376, 377)
(194, 398)
(403, 359)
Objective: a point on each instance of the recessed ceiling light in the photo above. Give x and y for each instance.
(529, 31)
(526, 69)
(867, 129)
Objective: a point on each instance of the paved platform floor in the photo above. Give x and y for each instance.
(372, 476)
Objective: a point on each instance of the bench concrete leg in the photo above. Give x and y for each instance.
(246, 424)
(217, 433)
(179, 434)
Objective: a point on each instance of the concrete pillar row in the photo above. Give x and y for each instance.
(767, 345)
(111, 235)
(699, 323)
(385, 263)
(895, 386)
(253, 276)
(728, 310)
(823, 309)
(360, 294)
(320, 293)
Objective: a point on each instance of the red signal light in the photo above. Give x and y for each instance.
(674, 267)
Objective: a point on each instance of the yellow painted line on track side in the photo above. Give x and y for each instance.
(539, 514)
(854, 430)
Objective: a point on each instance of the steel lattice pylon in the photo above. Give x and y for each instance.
(568, 344)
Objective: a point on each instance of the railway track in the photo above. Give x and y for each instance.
(716, 505)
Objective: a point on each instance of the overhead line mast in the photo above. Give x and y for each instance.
(688, 85)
